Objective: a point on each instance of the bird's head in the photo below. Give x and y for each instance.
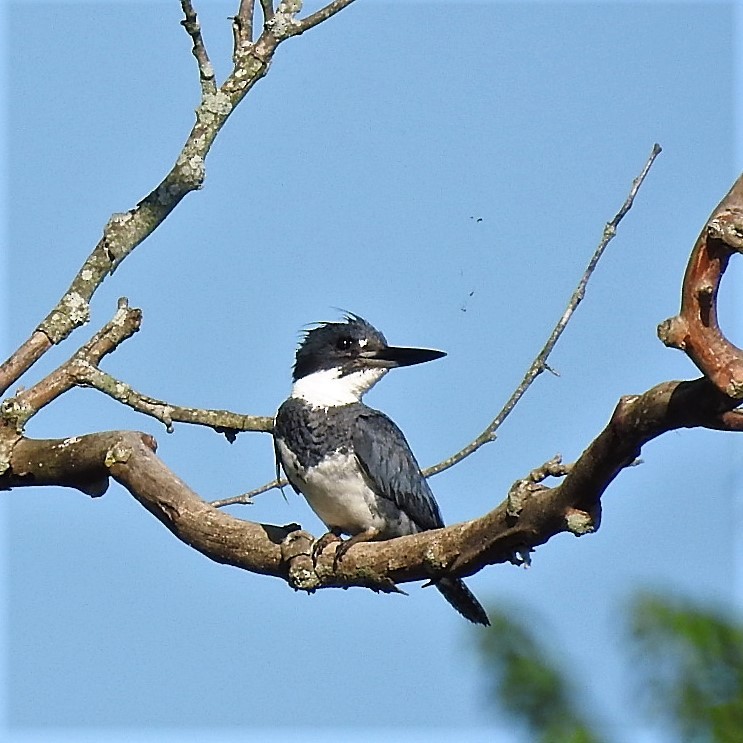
(342, 360)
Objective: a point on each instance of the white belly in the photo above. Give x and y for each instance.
(340, 494)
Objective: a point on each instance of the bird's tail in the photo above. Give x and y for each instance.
(462, 599)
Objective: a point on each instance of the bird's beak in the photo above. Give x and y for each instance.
(394, 356)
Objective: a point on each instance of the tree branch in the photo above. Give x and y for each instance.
(242, 27)
(22, 360)
(575, 504)
(18, 410)
(246, 499)
(193, 28)
(82, 370)
(695, 330)
(321, 15)
(126, 230)
(540, 362)
(86, 462)
(529, 517)
(222, 421)
(268, 11)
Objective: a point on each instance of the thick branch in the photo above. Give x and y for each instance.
(575, 504)
(86, 462)
(695, 330)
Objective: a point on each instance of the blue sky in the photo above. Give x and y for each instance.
(354, 176)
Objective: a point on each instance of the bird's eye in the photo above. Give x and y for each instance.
(344, 344)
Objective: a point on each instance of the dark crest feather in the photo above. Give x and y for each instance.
(318, 341)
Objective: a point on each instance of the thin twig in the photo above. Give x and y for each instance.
(21, 408)
(242, 27)
(246, 499)
(321, 15)
(193, 28)
(222, 421)
(540, 362)
(82, 370)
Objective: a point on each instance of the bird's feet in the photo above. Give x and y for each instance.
(322, 543)
(368, 535)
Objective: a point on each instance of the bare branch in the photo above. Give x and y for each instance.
(246, 499)
(321, 15)
(126, 230)
(223, 421)
(20, 409)
(536, 368)
(242, 26)
(86, 462)
(82, 370)
(695, 330)
(206, 71)
(575, 504)
(23, 359)
(540, 362)
(268, 11)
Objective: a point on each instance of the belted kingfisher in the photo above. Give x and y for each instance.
(351, 462)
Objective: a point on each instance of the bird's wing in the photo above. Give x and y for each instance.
(388, 461)
(284, 413)
(280, 466)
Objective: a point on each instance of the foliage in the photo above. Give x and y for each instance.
(692, 665)
(529, 685)
(689, 670)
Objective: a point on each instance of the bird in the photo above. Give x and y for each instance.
(351, 462)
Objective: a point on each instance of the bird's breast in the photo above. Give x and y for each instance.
(339, 492)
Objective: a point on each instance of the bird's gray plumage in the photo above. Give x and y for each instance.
(351, 462)
(379, 449)
(386, 458)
